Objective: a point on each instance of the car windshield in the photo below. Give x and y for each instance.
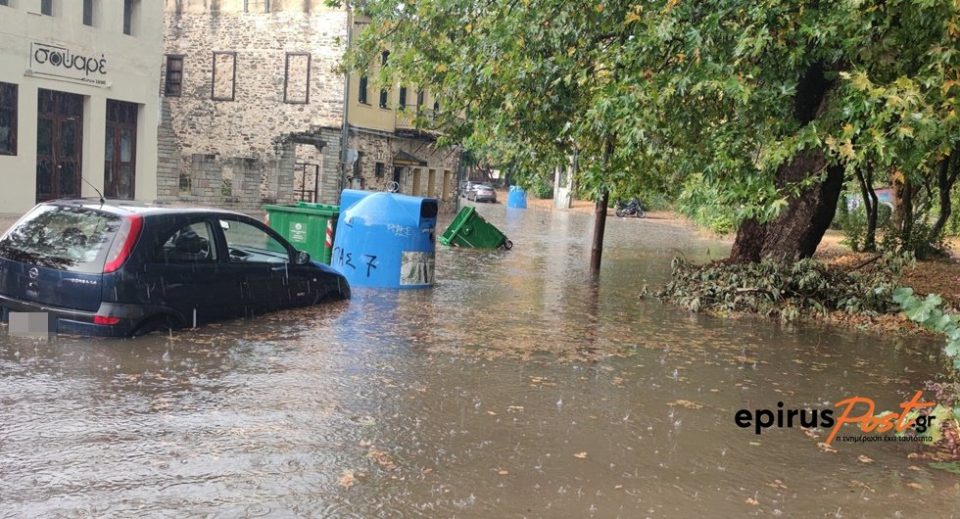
(67, 238)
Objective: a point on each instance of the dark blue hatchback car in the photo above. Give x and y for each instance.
(119, 269)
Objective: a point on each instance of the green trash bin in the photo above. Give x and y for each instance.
(304, 225)
(469, 229)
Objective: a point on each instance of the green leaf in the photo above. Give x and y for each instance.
(902, 294)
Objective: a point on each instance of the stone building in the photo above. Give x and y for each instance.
(78, 99)
(251, 102)
(386, 147)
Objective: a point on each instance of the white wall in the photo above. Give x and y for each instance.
(133, 71)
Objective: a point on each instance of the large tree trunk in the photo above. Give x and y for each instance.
(946, 177)
(871, 204)
(797, 231)
(903, 217)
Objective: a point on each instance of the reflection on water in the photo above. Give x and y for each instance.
(517, 387)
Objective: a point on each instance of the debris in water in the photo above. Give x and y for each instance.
(347, 479)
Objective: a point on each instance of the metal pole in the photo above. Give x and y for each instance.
(345, 131)
(600, 214)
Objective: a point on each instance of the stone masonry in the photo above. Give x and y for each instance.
(275, 106)
(437, 178)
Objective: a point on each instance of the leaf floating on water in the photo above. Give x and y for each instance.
(581, 455)
(686, 403)
(382, 458)
(753, 502)
(865, 459)
(503, 472)
(917, 486)
(777, 484)
(826, 448)
(347, 479)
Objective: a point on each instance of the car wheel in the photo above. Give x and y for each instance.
(156, 323)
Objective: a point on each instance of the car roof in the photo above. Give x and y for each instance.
(130, 207)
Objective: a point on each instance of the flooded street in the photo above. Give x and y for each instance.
(517, 387)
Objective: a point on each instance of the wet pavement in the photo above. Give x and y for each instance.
(517, 387)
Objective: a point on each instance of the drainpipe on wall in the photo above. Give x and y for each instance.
(345, 131)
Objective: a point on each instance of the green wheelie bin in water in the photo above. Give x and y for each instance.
(307, 226)
(469, 229)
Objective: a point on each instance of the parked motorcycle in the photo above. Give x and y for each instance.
(631, 208)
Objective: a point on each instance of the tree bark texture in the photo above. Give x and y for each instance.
(798, 229)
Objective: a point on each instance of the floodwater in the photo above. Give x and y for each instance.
(517, 387)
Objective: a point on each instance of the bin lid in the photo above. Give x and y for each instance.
(305, 208)
(390, 208)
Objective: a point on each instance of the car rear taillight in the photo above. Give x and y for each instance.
(104, 319)
(123, 243)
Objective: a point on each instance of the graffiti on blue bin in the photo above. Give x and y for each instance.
(342, 258)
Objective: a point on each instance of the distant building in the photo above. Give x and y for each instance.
(78, 99)
(386, 147)
(252, 106)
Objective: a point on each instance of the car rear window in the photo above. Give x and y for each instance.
(62, 237)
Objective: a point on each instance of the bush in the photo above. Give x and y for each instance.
(543, 190)
(854, 224)
(702, 203)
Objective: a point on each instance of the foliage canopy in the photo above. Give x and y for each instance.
(682, 89)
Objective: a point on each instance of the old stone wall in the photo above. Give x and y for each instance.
(437, 178)
(249, 81)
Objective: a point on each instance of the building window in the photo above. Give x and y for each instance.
(131, 15)
(384, 56)
(8, 119)
(419, 98)
(383, 98)
(436, 106)
(120, 158)
(256, 6)
(356, 164)
(224, 76)
(403, 97)
(296, 79)
(378, 170)
(186, 183)
(4, 2)
(173, 86)
(46, 7)
(226, 183)
(362, 95)
(88, 12)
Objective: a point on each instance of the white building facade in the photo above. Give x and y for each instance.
(79, 99)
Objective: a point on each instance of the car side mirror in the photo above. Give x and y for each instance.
(302, 258)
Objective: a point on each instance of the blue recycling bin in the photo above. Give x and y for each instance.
(385, 240)
(517, 198)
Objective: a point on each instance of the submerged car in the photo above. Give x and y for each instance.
(482, 193)
(120, 269)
